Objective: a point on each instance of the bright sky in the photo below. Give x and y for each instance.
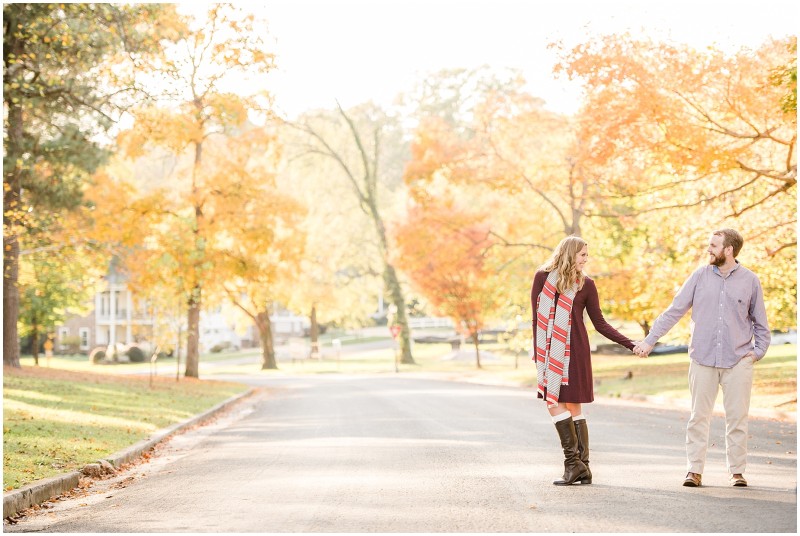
(357, 50)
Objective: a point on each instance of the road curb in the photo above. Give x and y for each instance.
(42, 490)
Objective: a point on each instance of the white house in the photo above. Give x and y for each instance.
(119, 317)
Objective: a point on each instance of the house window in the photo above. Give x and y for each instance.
(63, 333)
(84, 334)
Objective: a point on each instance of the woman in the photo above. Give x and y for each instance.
(560, 294)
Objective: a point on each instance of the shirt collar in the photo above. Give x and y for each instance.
(716, 268)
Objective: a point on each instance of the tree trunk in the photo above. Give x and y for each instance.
(645, 325)
(477, 350)
(369, 204)
(264, 326)
(575, 228)
(193, 336)
(35, 344)
(12, 185)
(195, 301)
(178, 355)
(314, 332)
(10, 297)
(393, 286)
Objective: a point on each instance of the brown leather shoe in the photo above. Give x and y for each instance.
(738, 481)
(693, 480)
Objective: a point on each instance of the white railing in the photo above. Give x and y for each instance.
(122, 316)
(429, 322)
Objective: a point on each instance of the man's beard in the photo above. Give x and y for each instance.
(716, 261)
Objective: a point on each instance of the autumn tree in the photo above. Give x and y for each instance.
(53, 283)
(335, 277)
(258, 242)
(68, 71)
(223, 49)
(443, 246)
(360, 143)
(504, 139)
(695, 136)
(341, 267)
(712, 133)
(503, 142)
(638, 267)
(785, 76)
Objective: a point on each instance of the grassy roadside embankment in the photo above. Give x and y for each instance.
(774, 377)
(56, 420)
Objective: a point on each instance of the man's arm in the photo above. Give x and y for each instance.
(680, 304)
(758, 314)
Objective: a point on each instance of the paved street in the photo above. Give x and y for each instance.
(394, 453)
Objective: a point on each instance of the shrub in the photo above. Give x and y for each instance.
(70, 344)
(97, 355)
(135, 354)
(220, 346)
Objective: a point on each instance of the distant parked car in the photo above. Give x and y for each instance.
(663, 349)
(611, 348)
(784, 337)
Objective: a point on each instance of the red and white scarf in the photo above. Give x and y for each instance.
(553, 325)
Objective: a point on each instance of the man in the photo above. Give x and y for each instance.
(729, 334)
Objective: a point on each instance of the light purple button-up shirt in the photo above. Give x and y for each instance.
(727, 315)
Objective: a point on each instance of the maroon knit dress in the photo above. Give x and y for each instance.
(581, 385)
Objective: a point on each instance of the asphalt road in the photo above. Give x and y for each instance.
(394, 453)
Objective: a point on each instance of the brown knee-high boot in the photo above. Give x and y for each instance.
(574, 469)
(582, 433)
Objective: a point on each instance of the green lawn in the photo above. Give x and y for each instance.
(774, 380)
(56, 420)
(81, 361)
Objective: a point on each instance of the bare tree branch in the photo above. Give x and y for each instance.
(331, 153)
(773, 252)
(369, 179)
(505, 242)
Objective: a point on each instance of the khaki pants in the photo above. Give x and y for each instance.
(704, 383)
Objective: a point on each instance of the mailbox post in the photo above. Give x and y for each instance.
(395, 331)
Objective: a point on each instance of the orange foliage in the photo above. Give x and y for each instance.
(688, 141)
(682, 127)
(512, 146)
(442, 249)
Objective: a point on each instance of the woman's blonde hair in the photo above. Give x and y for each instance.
(562, 261)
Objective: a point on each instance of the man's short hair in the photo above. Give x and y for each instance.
(730, 237)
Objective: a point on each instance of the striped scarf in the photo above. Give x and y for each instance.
(553, 325)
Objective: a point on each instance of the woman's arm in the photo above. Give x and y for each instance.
(536, 289)
(599, 322)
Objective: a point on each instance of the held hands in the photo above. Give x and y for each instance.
(642, 349)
